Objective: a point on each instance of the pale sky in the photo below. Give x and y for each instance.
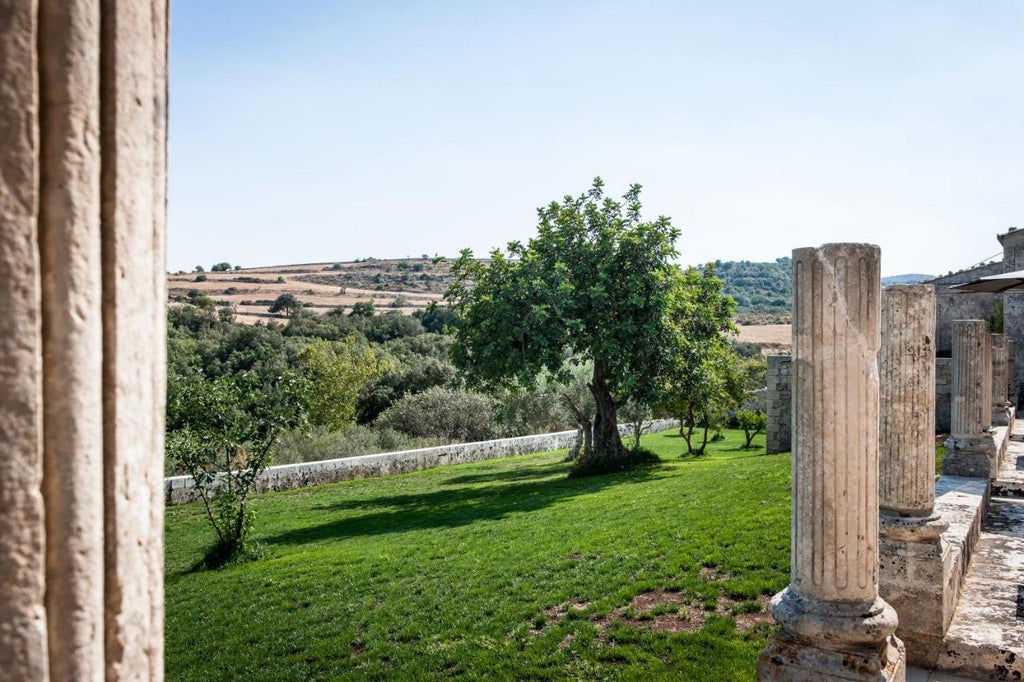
(325, 130)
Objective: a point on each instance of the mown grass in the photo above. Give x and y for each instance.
(503, 570)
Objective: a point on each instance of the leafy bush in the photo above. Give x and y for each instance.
(752, 424)
(220, 432)
(352, 441)
(453, 415)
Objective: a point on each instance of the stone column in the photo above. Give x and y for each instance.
(82, 308)
(911, 568)
(1011, 372)
(971, 449)
(834, 624)
(1000, 380)
(779, 405)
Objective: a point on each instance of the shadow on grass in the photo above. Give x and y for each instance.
(451, 508)
(524, 474)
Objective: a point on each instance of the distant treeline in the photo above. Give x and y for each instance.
(758, 288)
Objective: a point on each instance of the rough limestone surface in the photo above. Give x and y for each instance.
(23, 623)
(834, 624)
(912, 567)
(82, 316)
(779, 404)
(971, 449)
(69, 239)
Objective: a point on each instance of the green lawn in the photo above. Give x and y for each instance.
(503, 570)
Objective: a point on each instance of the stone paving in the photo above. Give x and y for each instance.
(986, 638)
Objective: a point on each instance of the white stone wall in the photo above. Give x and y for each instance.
(181, 489)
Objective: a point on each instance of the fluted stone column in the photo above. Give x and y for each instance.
(971, 449)
(1011, 372)
(82, 339)
(912, 575)
(834, 624)
(1000, 380)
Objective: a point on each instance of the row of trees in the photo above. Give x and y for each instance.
(588, 323)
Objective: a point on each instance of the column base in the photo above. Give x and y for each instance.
(1001, 414)
(832, 640)
(791, 659)
(917, 579)
(975, 456)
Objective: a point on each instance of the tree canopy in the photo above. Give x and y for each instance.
(595, 285)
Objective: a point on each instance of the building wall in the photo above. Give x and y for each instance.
(951, 306)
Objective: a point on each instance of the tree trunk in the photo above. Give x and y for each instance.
(607, 441)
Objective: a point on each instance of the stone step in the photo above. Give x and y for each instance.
(986, 637)
(1010, 482)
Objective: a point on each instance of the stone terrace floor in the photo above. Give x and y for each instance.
(986, 638)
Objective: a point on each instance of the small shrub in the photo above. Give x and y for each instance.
(453, 415)
(602, 464)
(752, 424)
(200, 278)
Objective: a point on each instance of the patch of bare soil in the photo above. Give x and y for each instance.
(664, 611)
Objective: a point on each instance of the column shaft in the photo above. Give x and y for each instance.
(133, 119)
(69, 232)
(835, 440)
(907, 396)
(971, 403)
(23, 639)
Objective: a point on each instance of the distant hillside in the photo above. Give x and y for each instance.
(403, 284)
(760, 289)
(905, 279)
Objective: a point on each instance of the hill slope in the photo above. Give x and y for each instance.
(405, 284)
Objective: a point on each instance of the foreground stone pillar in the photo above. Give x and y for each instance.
(912, 575)
(834, 624)
(82, 205)
(971, 448)
(1000, 380)
(779, 405)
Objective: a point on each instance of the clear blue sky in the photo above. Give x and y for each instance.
(325, 130)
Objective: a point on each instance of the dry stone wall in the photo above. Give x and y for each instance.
(181, 489)
(779, 432)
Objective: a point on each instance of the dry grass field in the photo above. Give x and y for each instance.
(773, 338)
(406, 284)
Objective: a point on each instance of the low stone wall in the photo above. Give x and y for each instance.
(181, 489)
(923, 582)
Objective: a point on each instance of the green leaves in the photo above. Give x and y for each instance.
(595, 284)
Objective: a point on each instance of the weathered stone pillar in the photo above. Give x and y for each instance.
(834, 624)
(911, 568)
(82, 314)
(779, 405)
(1011, 372)
(1000, 380)
(971, 449)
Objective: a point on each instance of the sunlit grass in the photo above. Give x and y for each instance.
(505, 569)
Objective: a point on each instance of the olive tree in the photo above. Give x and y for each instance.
(595, 285)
